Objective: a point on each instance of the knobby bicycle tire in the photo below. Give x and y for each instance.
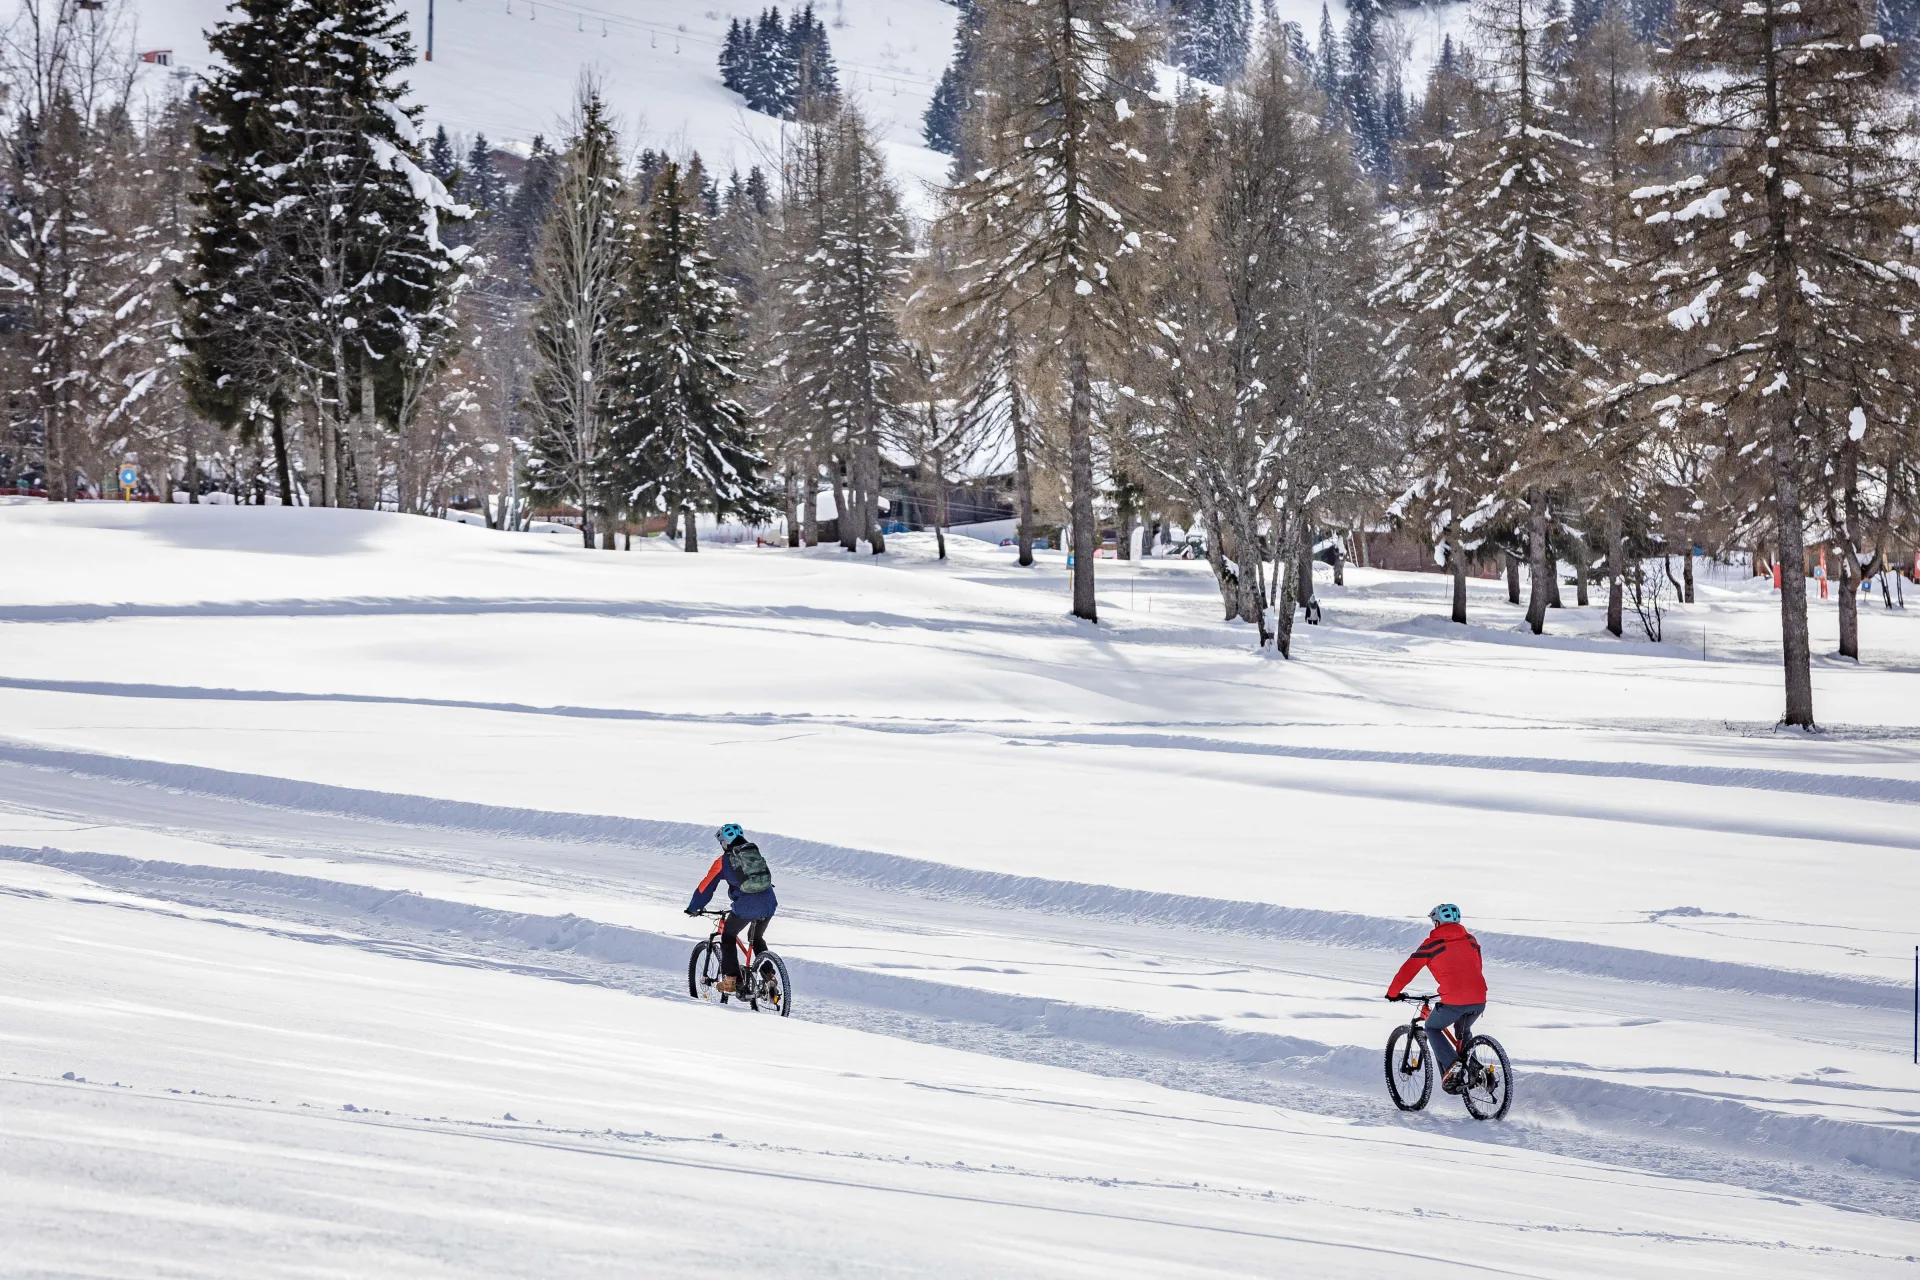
(1499, 1097)
(701, 976)
(776, 981)
(1398, 1078)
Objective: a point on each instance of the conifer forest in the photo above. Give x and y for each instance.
(1602, 285)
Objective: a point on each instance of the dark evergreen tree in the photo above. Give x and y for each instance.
(942, 121)
(1211, 37)
(813, 82)
(1328, 63)
(769, 81)
(441, 162)
(1649, 17)
(1584, 16)
(736, 53)
(481, 186)
(319, 274)
(681, 442)
(759, 192)
(1362, 85)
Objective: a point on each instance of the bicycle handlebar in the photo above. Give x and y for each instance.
(1406, 997)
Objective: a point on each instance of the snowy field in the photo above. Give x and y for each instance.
(342, 854)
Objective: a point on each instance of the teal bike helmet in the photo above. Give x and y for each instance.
(731, 832)
(1445, 913)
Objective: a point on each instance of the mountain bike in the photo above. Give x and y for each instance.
(764, 986)
(1488, 1086)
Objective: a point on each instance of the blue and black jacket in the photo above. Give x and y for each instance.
(748, 906)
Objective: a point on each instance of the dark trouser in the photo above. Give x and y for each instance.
(1458, 1016)
(756, 931)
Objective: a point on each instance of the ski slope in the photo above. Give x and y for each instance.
(508, 68)
(329, 840)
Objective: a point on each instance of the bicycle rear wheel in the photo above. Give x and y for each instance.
(1489, 1090)
(1409, 1070)
(703, 972)
(773, 992)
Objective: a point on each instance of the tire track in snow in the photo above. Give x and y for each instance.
(935, 880)
(1265, 1060)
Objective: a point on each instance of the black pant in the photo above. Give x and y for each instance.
(756, 931)
(1458, 1016)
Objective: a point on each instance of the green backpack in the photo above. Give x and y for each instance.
(751, 868)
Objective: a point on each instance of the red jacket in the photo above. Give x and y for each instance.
(1453, 957)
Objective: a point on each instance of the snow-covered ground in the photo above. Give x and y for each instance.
(332, 839)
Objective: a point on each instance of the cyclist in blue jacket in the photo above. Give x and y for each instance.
(750, 899)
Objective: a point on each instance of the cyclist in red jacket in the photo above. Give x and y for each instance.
(1452, 956)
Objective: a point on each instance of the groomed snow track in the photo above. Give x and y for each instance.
(1867, 1166)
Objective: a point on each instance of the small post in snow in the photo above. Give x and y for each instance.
(429, 30)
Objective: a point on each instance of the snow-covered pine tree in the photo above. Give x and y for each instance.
(581, 271)
(814, 83)
(682, 443)
(1610, 102)
(1485, 282)
(1786, 250)
(1211, 38)
(770, 74)
(1329, 65)
(80, 301)
(481, 187)
(314, 191)
(1269, 272)
(847, 348)
(442, 163)
(1361, 88)
(1052, 215)
(735, 56)
(941, 125)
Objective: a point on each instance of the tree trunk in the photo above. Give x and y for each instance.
(1513, 575)
(1457, 565)
(1251, 591)
(1123, 531)
(810, 499)
(844, 518)
(793, 521)
(366, 471)
(1022, 475)
(1581, 569)
(607, 534)
(193, 460)
(1339, 561)
(1616, 563)
(1539, 588)
(876, 536)
(1285, 553)
(693, 530)
(1796, 650)
(1303, 558)
(940, 502)
(1849, 605)
(1687, 575)
(279, 408)
(1360, 538)
(1080, 460)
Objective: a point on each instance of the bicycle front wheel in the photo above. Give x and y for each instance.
(1409, 1070)
(703, 972)
(772, 992)
(1489, 1090)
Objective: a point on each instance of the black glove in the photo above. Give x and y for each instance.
(693, 911)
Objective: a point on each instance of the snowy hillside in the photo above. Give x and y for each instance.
(342, 858)
(507, 68)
